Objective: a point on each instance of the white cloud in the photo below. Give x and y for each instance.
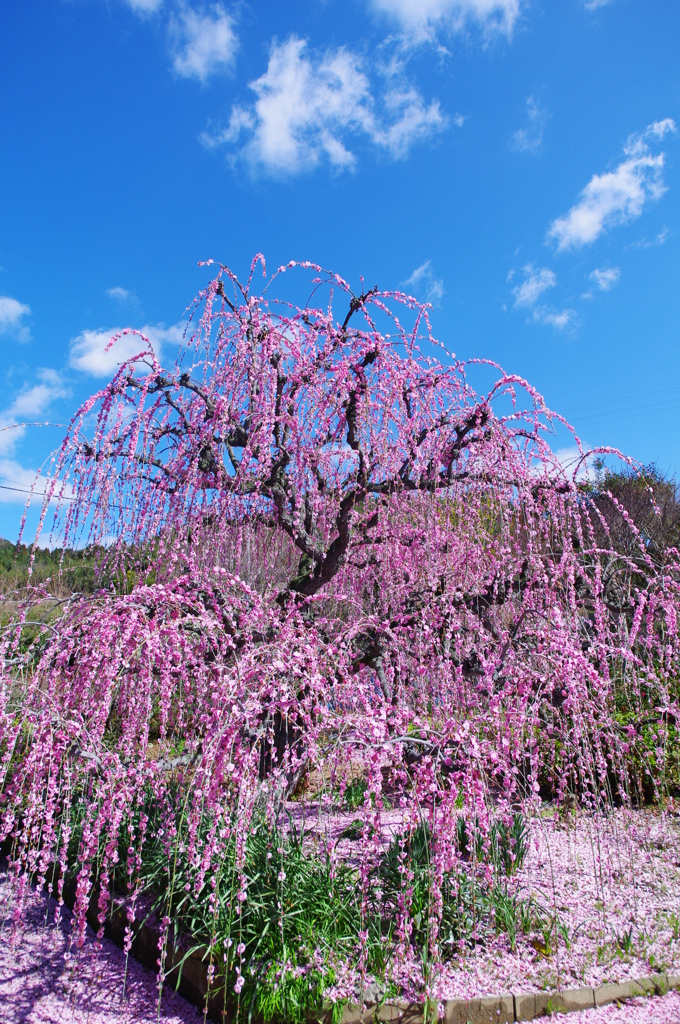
(647, 243)
(420, 19)
(594, 5)
(530, 139)
(661, 128)
(204, 42)
(423, 282)
(12, 313)
(409, 119)
(144, 6)
(30, 404)
(306, 105)
(536, 281)
(34, 401)
(606, 278)
(557, 318)
(118, 293)
(17, 483)
(88, 352)
(617, 196)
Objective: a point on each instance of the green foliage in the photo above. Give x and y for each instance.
(470, 907)
(302, 916)
(649, 497)
(625, 940)
(506, 845)
(75, 569)
(304, 913)
(355, 794)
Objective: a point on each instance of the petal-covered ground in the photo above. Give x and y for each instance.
(661, 1010)
(613, 885)
(40, 983)
(610, 884)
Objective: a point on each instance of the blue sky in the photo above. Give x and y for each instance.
(515, 162)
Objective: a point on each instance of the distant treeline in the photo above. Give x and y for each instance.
(650, 498)
(74, 569)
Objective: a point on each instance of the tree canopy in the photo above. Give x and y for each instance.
(323, 554)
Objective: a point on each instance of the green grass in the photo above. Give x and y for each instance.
(301, 921)
(74, 568)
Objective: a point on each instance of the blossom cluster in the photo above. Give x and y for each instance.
(323, 558)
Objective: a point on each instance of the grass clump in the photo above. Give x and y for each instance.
(280, 921)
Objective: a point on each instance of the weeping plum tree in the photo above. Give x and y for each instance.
(325, 557)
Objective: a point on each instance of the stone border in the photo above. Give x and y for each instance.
(507, 1008)
(530, 1005)
(510, 1007)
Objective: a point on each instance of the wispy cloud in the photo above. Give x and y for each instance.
(606, 278)
(30, 404)
(537, 281)
(530, 138)
(119, 294)
(144, 7)
(617, 196)
(203, 42)
(421, 19)
(307, 105)
(648, 243)
(557, 318)
(423, 282)
(17, 483)
(88, 352)
(594, 5)
(12, 314)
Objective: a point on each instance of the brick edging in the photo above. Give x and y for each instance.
(510, 1007)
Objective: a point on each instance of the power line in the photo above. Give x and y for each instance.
(37, 494)
(651, 394)
(57, 497)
